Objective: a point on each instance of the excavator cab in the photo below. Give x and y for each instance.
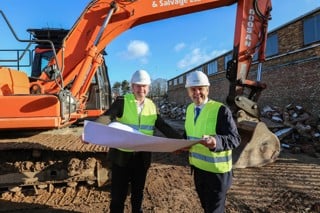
(43, 54)
(14, 83)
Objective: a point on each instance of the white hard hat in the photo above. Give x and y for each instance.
(197, 78)
(141, 77)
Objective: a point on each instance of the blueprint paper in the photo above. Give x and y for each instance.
(117, 135)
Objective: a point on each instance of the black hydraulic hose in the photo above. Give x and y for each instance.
(257, 10)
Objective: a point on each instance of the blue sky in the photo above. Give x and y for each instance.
(164, 48)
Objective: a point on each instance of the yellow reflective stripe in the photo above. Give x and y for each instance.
(125, 150)
(193, 138)
(141, 127)
(217, 162)
(146, 127)
(221, 167)
(211, 159)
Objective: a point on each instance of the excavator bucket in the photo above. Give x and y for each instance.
(259, 146)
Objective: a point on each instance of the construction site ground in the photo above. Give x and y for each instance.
(291, 184)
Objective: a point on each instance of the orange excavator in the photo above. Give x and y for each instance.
(73, 85)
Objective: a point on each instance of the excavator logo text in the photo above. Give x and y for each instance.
(166, 3)
(250, 24)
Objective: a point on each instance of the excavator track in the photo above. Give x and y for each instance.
(44, 158)
(62, 139)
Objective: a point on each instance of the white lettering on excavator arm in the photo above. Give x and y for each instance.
(249, 28)
(168, 3)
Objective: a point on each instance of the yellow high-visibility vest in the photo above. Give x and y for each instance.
(199, 155)
(143, 123)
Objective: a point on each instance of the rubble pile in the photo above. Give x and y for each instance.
(172, 111)
(296, 129)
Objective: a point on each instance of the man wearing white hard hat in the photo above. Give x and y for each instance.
(211, 159)
(129, 167)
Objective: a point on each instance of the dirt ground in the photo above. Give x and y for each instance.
(291, 184)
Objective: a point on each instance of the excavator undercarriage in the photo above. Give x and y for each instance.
(43, 159)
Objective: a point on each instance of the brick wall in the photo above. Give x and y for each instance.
(292, 76)
(294, 83)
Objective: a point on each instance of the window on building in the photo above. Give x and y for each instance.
(170, 83)
(180, 81)
(227, 58)
(205, 68)
(272, 45)
(199, 69)
(175, 81)
(311, 29)
(212, 67)
(271, 48)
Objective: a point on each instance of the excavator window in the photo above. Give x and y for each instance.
(40, 62)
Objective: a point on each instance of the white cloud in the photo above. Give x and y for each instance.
(179, 46)
(197, 57)
(137, 50)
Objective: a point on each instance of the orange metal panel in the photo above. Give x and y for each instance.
(26, 106)
(13, 82)
(30, 123)
(5, 82)
(29, 111)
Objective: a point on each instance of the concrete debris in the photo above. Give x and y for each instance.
(277, 118)
(173, 110)
(300, 130)
(295, 127)
(282, 133)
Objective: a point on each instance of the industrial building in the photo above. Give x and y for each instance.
(291, 70)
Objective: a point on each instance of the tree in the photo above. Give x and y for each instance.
(158, 88)
(125, 87)
(120, 88)
(116, 89)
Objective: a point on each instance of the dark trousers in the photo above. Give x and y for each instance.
(212, 189)
(135, 173)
